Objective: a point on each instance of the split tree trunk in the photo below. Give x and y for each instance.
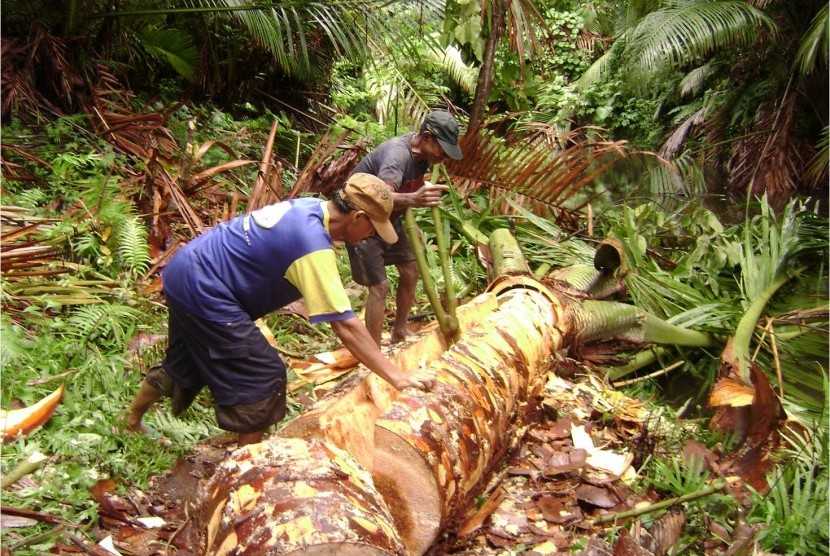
(429, 453)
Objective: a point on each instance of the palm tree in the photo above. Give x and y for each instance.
(762, 109)
(515, 17)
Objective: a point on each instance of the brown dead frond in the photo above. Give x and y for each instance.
(535, 173)
(37, 75)
(329, 165)
(769, 158)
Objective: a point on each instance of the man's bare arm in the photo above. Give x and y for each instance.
(357, 340)
(429, 195)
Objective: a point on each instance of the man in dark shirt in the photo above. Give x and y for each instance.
(401, 162)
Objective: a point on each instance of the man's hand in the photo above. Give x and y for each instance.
(357, 339)
(421, 383)
(429, 195)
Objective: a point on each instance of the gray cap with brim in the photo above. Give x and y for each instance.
(444, 128)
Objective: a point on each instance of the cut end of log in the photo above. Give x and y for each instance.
(408, 485)
(293, 496)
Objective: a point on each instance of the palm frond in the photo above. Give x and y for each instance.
(818, 165)
(769, 245)
(601, 66)
(461, 73)
(533, 172)
(679, 177)
(679, 135)
(814, 45)
(684, 31)
(173, 46)
(692, 82)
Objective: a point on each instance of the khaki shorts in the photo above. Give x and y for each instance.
(370, 257)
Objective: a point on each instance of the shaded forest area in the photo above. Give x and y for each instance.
(691, 134)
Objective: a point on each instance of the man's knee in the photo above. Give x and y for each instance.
(379, 290)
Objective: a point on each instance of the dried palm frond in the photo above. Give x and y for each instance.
(324, 171)
(769, 158)
(533, 172)
(34, 267)
(37, 75)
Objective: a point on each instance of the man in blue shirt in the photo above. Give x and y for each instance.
(219, 283)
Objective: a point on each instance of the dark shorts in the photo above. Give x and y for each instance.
(370, 257)
(244, 373)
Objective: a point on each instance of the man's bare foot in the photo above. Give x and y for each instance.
(400, 334)
(135, 425)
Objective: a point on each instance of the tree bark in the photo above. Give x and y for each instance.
(485, 73)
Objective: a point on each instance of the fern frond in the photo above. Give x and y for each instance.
(133, 249)
(103, 322)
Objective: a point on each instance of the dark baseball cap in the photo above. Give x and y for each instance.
(441, 125)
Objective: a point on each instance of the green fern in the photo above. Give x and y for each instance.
(103, 323)
(133, 250)
(795, 511)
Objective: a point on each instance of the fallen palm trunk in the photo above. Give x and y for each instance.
(430, 453)
(346, 415)
(434, 448)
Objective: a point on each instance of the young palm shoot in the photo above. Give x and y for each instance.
(447, 322)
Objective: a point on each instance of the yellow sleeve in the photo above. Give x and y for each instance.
(315, 275)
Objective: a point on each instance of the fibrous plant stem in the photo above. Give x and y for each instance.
(446, 267)
(716, 486)
(413, 232)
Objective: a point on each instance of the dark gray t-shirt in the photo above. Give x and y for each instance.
(393, 163)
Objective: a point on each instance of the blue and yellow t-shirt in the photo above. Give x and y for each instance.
(252, 265)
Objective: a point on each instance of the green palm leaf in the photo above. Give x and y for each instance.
(173, 46)
(815, 43)
(686, 30)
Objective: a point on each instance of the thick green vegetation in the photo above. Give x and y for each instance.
(717, 195)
